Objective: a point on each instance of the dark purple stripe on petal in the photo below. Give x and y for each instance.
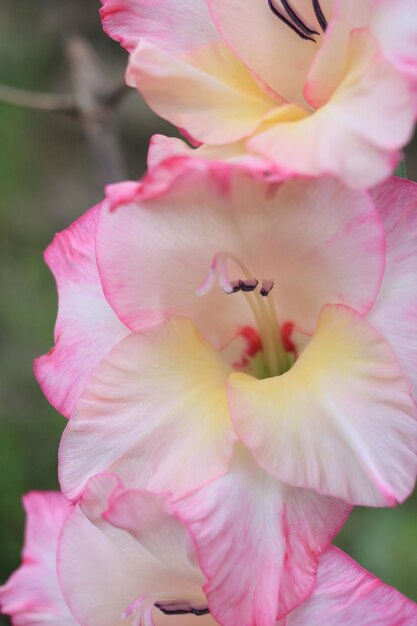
(297, 20)
(319, 14)
(288, 23)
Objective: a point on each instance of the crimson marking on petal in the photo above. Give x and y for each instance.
(254, 343)
(286, 333)
(288, 23)
(319, 14)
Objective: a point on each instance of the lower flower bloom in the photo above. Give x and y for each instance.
(123, 557)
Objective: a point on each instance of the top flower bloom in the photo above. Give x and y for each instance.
(313, 87)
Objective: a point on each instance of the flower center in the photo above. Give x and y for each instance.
(289, 16)
(273, 359)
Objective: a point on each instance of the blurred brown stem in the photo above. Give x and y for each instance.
(92, 101)
(41, 101)
(97, 114)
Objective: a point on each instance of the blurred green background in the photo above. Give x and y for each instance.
(46, 181)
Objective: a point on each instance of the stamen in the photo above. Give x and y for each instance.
(319, 14)
(282, 357)
(288, 23)
(242, 285)
(248, 285)
(263, 311)
(267, 286)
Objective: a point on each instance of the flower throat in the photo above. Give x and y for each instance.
(273, 358)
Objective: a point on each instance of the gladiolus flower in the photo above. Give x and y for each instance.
(312, 86)
(202, 265)
(123, 557)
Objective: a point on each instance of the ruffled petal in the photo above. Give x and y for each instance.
(356, 135)
(395, 311)
(155, 413)
(150, 521)
(270, 48)
(208, 92)
(319, 241)
(86, 328)
(108, 574)
(174, 26)
(349, 595)
(393, 24)
(341, 421)
(162, 149)
(258, 542)
(32, 594)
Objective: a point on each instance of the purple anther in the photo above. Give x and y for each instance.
(248, 285)
(242, 285)
(235, 286)
(267, 286)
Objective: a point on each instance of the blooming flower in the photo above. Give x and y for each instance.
(313, 86)
(328, 279)
(322, 408)
(125, 558)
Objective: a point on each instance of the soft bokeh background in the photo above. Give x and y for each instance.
(46, 181)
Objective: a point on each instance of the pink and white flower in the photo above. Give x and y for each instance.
(123, 557)
(161, 252)
(257, 432)
(312, 87)
(32, 594)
